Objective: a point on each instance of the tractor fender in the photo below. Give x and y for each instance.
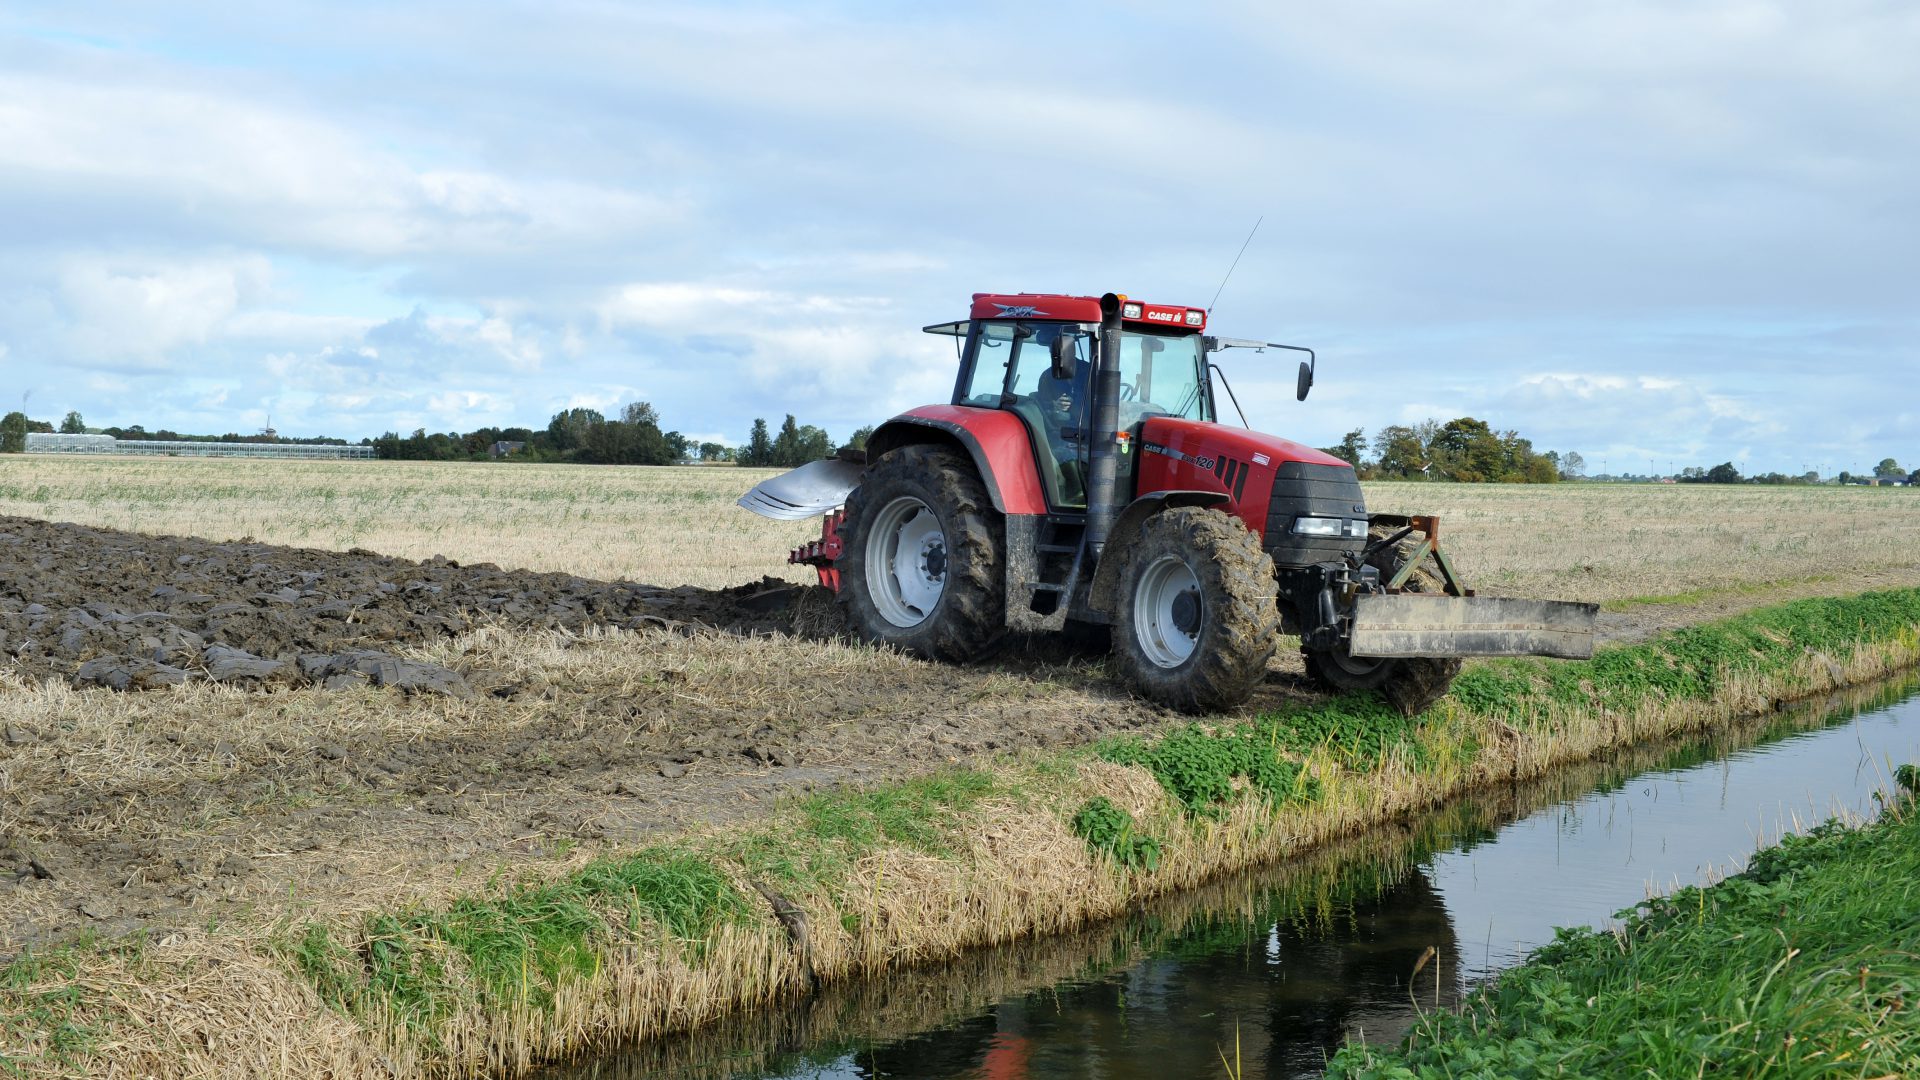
(996, 441)
(1103, 593)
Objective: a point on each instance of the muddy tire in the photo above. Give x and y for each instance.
(923, 563)
(1197, 619)
(1410, 684)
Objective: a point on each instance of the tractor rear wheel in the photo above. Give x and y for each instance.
(923, 556)
(1198, 620)
(1410, 684)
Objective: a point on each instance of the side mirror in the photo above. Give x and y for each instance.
(1304, 383)
(1065, 352)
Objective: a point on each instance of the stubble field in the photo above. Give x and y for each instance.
(644, 680)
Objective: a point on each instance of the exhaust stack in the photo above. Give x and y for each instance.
(1103, 471)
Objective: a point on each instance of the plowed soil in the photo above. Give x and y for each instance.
(201, 729)
(135, 612)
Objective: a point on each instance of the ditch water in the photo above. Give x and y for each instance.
(1289, 963)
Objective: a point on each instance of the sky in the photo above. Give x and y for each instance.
(1650, 233)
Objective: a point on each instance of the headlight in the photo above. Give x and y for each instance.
(1326, 526)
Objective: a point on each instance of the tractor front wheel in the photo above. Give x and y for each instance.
(921, 568)
(1198, 620)
(1410, 684)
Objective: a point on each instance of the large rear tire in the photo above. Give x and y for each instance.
(1198, 618)
(922, 565)
(1410, 684)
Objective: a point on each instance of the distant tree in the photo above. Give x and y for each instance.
(1811, 476)
(786, 445)
(1352, 449)
(1913, 478)
(858, 440)
(1469, 451)
(1573, 466)
(13, 433)
(1723, 473)
(568, 430)
(73, 425)
(1398, 452)
(1845, 477)
(712, 451)
(759, 449)
(1889, 469)
(812, 445)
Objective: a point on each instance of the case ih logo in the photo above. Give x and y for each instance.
(1020, 311)
(1164, 316)
(1195, 460)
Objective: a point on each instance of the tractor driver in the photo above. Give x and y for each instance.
(1066, 426)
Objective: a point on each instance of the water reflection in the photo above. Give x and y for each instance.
(1349, 942)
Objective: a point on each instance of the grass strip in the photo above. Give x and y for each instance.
(1716, 592)
(1790, 968)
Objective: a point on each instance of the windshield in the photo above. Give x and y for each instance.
(1161, 375)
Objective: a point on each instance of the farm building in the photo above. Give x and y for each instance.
(40, 443)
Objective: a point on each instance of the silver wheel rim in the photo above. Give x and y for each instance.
(1168, 612)
(906, 562)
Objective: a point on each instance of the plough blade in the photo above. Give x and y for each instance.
(1420, 624)
(808, 491)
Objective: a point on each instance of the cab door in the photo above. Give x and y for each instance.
(1011, 368)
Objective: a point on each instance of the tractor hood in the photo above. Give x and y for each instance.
(1270, 483)
(1211, 440)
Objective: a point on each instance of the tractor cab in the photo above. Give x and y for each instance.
(1035, 355)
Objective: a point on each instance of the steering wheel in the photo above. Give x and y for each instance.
(1128, 392)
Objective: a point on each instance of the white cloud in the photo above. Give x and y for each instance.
(463, 403)
(137, 309)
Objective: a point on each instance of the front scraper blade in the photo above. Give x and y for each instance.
(808, 491)
(1419, 624)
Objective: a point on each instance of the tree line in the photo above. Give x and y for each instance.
(634, 437)
(1888, 471)
(1465, 450)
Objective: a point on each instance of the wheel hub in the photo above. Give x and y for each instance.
(1168, 611)
(906, 562)
(1186, 612)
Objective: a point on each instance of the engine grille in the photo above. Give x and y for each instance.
(1322, 490)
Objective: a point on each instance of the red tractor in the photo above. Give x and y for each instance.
(1080, 475)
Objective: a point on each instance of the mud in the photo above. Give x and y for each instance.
(134, 612)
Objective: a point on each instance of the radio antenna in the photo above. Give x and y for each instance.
(1236, 262)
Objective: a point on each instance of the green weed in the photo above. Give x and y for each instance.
(910, 813)
(521, 943)
(49, 1016)
(1198, 767)
(1111, 831)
